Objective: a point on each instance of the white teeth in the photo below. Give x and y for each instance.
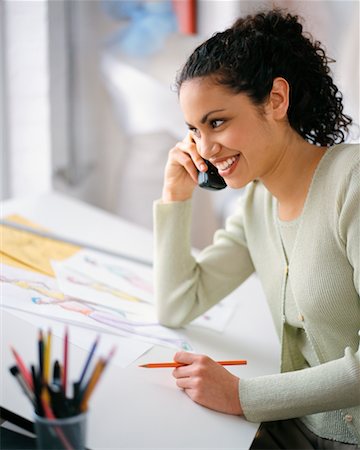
(223, 165)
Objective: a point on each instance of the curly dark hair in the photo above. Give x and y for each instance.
(258, 48)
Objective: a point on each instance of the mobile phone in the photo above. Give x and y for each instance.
(211, 179)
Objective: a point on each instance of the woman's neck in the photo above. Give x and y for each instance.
(292, 174)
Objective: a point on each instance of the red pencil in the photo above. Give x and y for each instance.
(23, 370)
(65, 368)
(51, 416)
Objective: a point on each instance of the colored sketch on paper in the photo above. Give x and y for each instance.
(123, 275)
(112, 276)
(40, 295)
(75, 284)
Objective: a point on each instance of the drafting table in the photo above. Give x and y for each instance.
(136, 408)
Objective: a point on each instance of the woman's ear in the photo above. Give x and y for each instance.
(279, 98)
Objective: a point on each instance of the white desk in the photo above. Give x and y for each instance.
(135, 408)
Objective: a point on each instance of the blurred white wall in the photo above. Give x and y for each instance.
(28, 158)
(119, 167)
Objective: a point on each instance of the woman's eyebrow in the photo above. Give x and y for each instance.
(205, 117)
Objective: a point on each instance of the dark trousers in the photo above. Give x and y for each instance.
(293, 435)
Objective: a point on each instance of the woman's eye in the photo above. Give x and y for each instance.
(195, 132)
(216, 123)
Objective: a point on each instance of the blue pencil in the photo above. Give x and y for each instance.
(87, 363)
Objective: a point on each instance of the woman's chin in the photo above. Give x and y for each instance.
(237, 183)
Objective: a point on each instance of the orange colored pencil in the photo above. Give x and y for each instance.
(97, 372)
(99, 367)
(236, 362)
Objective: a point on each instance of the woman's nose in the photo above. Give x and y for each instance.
(207, 148)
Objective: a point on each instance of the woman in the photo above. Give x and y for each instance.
(261, 106)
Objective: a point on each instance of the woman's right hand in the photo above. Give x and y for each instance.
(181, 171)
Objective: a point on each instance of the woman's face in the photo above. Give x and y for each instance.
(229, 131)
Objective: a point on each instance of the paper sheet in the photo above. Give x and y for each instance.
(95, 277)
(39, 294)
(217, 317)
(125, 276)
(32, 250)
(110, 281)
(5, 259)
(75, 284)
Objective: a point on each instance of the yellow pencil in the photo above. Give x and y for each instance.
(47, 358)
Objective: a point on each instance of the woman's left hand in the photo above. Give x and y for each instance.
(206, 382)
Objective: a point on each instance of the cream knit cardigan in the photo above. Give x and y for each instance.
(324, 271)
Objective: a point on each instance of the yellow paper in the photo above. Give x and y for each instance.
(5, 259)
(31, 250)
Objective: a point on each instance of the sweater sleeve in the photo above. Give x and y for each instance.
(186, 286)
(330, 386)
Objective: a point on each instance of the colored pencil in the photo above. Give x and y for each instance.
(47, 392)
(47, 361)
(92, 383)
(37, 380)
(47, 358)
(50, 415)
(87, 363)
(65, 370)
(111, 354)
(237, 362)
(23, 370)
(98, 370)
(41, 352)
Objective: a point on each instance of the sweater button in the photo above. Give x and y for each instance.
(348, 418)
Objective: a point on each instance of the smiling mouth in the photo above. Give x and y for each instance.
(225, 165)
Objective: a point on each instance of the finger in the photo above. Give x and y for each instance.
(191, 149)
(186, 147)
(199, 161)
(183, 372)
(185, 357)
(183, 383)
(185, 160)
(189, 138)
